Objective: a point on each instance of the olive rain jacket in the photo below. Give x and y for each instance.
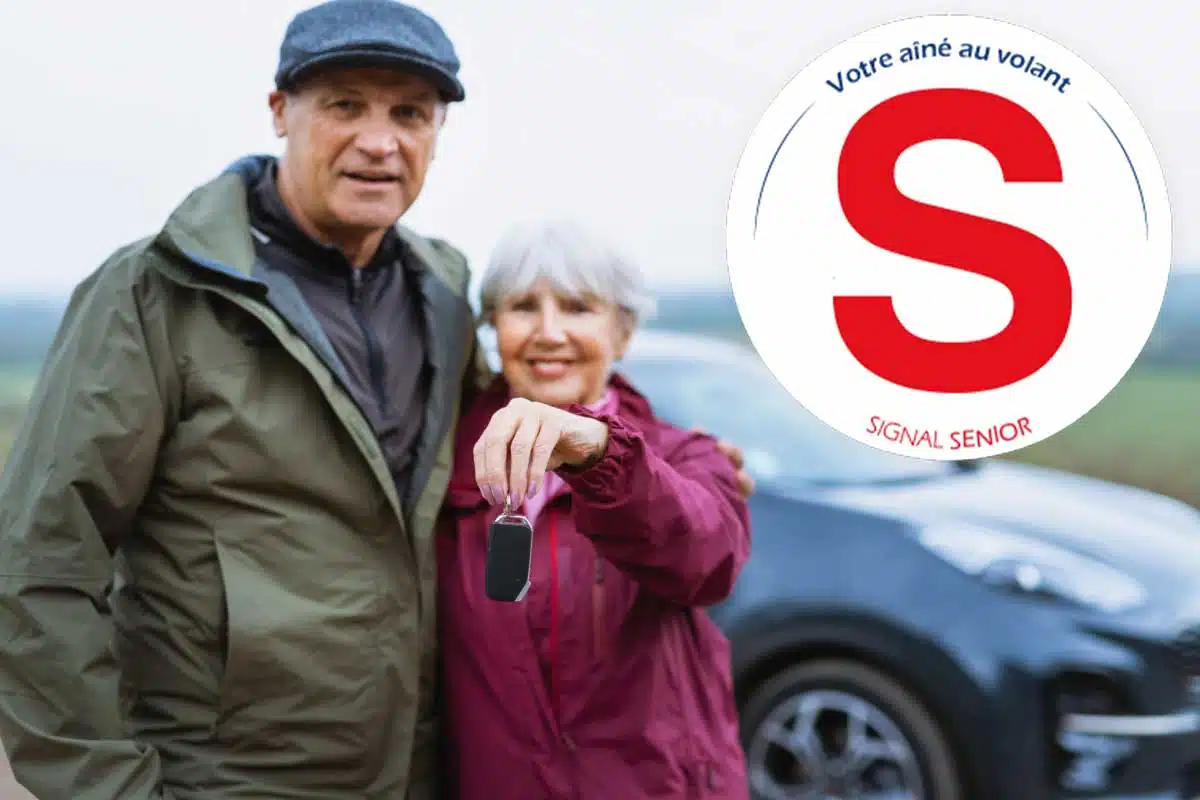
(209, 587)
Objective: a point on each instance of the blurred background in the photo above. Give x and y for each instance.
(628, 115)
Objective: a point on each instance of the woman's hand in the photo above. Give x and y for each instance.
(524, 440)
(738, 458)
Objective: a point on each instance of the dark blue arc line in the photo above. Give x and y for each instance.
(762, 188)
(1129, 161)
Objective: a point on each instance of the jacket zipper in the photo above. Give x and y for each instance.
(374, 351)
(599, 623)
(554, 695)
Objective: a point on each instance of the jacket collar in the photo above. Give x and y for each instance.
(211, 228)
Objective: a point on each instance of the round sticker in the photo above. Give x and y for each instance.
(949, 237)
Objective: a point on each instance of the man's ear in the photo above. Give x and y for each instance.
(443, 110)
(278, 101)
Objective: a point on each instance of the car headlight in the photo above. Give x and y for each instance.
(1033, 567)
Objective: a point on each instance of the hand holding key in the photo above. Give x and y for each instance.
(524, 440)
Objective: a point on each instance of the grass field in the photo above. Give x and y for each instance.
(1145, 433)
(16, 383)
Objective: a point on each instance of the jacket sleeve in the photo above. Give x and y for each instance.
(676, 524)
(75, 476)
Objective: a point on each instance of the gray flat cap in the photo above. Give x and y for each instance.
(369, 33)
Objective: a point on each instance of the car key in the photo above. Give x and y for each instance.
(509, 556)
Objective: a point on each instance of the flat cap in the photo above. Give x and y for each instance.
(369, 33)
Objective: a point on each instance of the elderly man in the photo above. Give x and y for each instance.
(218, 578)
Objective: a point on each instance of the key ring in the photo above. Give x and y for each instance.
(508, 515)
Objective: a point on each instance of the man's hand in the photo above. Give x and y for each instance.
(734, 454)
(524, 440)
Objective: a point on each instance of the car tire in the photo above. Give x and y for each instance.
(933, 754)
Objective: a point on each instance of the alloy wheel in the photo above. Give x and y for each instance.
(832, 745)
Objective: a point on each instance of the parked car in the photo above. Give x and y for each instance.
(942, 631)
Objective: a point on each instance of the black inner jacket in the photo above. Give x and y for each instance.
(370, 315)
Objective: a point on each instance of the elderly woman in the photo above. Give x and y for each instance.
(608, 680)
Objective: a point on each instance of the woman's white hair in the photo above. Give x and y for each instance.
(573, 259)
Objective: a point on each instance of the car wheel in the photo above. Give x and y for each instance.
(839, 728)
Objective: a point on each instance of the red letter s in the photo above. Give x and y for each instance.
(1031, 269)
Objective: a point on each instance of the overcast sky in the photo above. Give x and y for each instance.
(630, 114)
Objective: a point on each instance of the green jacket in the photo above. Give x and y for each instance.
(208, 586)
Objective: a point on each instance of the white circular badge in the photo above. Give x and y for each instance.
(949, 237)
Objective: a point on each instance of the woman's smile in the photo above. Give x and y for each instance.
(549, 369)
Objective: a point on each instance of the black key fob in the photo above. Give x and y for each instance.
(509, 558)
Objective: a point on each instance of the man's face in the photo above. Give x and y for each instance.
(359, 143)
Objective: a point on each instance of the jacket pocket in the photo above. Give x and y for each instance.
(302, 666)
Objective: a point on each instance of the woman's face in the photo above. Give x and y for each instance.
(556, 349)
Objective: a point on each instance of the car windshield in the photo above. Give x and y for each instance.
(784, 444)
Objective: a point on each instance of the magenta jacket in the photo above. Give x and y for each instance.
(609, 681)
